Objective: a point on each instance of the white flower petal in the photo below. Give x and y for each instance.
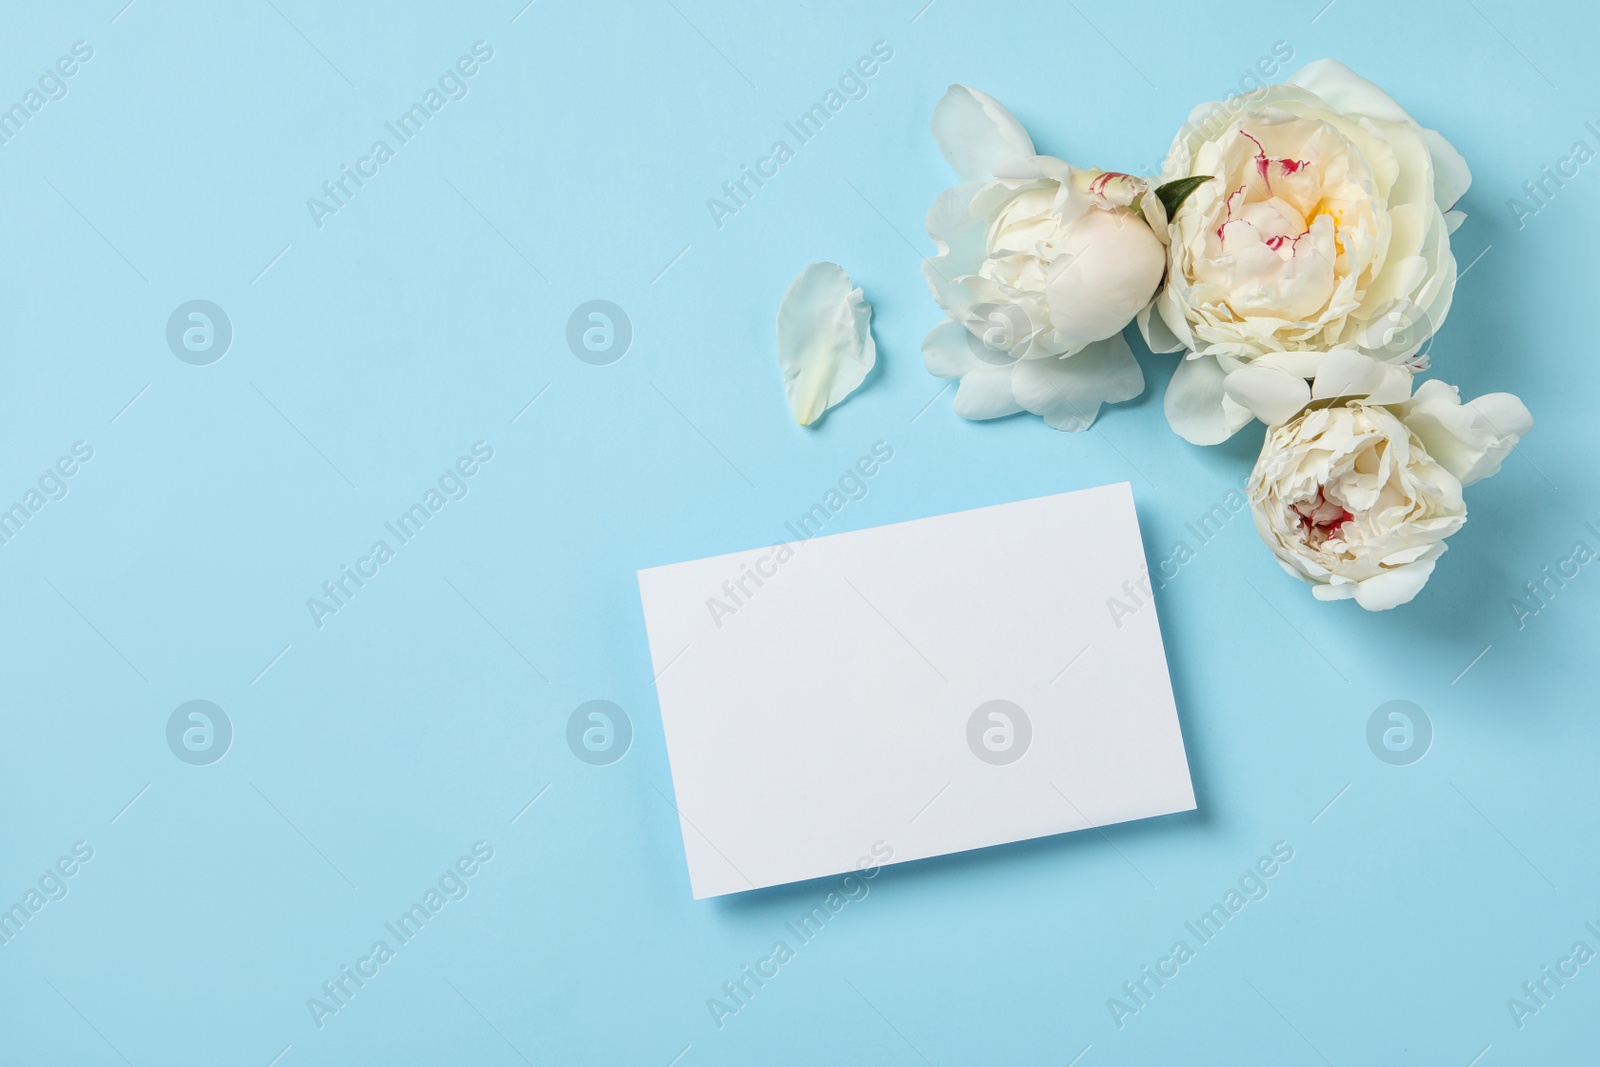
(1469, 440)
(825, 345)
(1432, 300)
(1298, 364)
(1272, 395)
(948, 351)
(1031, 168)
(1505, 413)
(1068, 391)
(1197, 407)
(1170, 308)
(1347, 372)
(975, 132)
(956, 232)
(1451, 177)
(1393, 587)
(986, 394)
(957, 300)
(1348, 92)
(1158, 336)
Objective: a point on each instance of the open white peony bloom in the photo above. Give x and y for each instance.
(1356, 493)
(1327, 225)
(1041, 265)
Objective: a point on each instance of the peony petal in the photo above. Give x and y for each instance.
(1068, 391)
(1451, 177)
(948, 351)
(1410, 554)
(1196, 405)
(975, 132)
(986, 394)
(1506, 415)
(1420, 314)
(1272, 395)
(1345, 90)
(954, 297)
(1027, 167)
(1171, 310)
(1470, 440)
(1393, 587)
(825, 345)
(1347, 372)
(1158, 336)
(1298, 364)
(956, 232)
(1403, 272)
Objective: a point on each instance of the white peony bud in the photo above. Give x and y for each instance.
(1041, 265)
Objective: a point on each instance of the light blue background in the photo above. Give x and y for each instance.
(426, 315)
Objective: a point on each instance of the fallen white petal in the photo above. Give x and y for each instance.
(825, 345)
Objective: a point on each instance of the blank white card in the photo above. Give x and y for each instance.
(913, 690)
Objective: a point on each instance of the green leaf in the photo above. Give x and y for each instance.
(1174, 193)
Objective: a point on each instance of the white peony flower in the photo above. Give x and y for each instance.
(1040, 267)
(1327, 226)
(1356, 493)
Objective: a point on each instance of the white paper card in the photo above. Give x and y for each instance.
(831, 704)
